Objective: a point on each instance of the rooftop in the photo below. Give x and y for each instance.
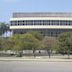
(41, 14)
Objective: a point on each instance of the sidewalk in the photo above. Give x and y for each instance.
(32, 59)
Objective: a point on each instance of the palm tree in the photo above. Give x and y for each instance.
(3, 28)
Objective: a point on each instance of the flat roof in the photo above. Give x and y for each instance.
(41, 14)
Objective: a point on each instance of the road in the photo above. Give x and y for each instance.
(17, 66)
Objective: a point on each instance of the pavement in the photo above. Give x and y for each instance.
(34, 59)
(18, 66)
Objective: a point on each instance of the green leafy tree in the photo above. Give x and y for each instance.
(65, 43)
(25, 41)
(3, 28)
(17, 44)
(7, 44)
(20, 42)
(37, 35)
(30, 42)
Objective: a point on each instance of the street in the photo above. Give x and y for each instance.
(17, 66)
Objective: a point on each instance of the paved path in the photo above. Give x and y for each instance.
(39, 59)
(17, 66)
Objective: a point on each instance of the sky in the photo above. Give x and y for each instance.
(7, 7)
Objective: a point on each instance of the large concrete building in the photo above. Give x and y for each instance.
(48, 24)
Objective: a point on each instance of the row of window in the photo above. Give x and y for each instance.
(44, 32)
(42, 22)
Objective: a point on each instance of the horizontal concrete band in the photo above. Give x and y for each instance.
(41, 27)
(41, 18)
(36, 59)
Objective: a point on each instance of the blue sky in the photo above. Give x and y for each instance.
(7, 7)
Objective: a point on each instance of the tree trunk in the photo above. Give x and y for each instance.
(34, 53)
(48, 51)
(68, 53)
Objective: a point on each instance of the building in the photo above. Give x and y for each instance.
(48, 24)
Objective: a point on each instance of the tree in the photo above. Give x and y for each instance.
(8, 44)
(1, 43)
(37, 35)
(49, 44)
(17, 44)
(3, 28)
(30, 42)
(65, 43)
(24, 41)
(20, 42)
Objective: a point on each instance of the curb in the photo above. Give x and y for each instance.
(37, 60)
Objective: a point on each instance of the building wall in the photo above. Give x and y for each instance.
(44, 32)
(48, 24)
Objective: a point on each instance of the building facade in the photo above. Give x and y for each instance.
(48, 24)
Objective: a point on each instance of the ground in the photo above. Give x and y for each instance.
(28, 66)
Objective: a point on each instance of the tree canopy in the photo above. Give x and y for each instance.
(3, 28)
(65, 42)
